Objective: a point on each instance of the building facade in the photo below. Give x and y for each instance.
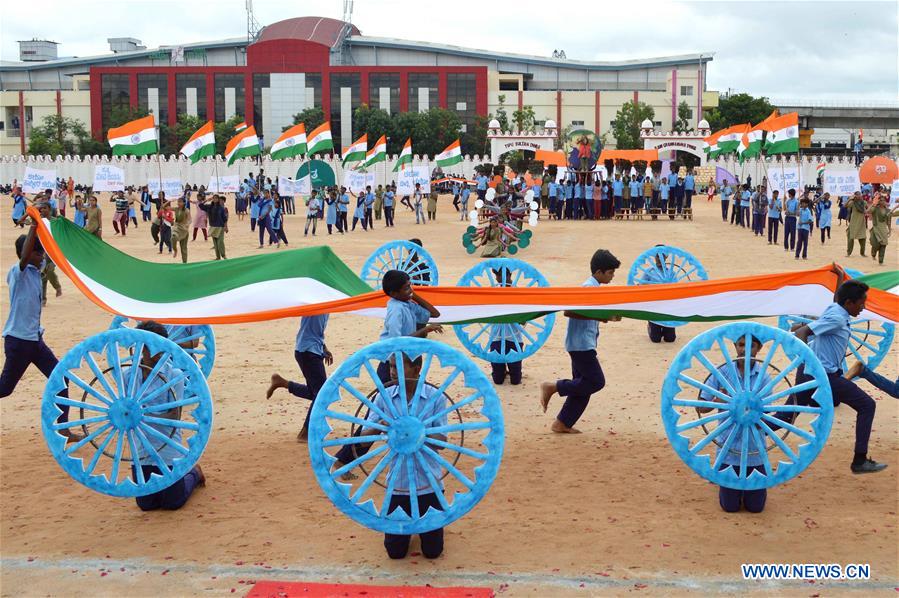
(319, 62)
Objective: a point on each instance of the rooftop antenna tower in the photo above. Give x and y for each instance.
(252, 24)
(346, 56)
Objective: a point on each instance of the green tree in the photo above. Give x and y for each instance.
(627, 124)
(375, 122)
(224, 132)
(177, 136)
(474, 140)
(682, 125)
(738, 108)
(443, 127)
(501, 114)
(311, 117)
(524, 119)
(61, 135)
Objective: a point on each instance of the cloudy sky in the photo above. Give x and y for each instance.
(818, 50)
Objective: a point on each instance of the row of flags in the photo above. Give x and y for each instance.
(139, 138)
(777, 134)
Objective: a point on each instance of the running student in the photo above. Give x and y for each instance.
(828, 337)
(580, 342)
(313, 206)
(311, 354)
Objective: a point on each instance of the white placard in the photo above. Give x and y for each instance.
(109, 178)
(894, 194)
(289, 186)
(357, 181)
(783, 179)
(36, 181)
(172, 187)
(224, 184)
(841, 182)
(406, 179)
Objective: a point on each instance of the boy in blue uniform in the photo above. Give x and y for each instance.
(774, 209)
(726, 192)
(636, 189)
(791, 212)
(311, 354)
(732, 499)
(829, 341)
(745, 205)
(689, 189)
(23, 336)
(617, 192)
(464, 194)
(805, 228)
(580, 342)
(389, 202)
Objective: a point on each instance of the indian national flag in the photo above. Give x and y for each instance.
(320, 140)
(201, 144)
(751, 142)
(405, 158)
(729, 140)
(451, 155)
(312, 281)
(242, 145)
(240, 126)
(292, 142)
(783, 134)
(710, 144)
(356, 151)
(378, 153)
(822, 166)
(135, 138)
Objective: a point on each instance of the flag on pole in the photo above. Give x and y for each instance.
(135, 138)
(378, 153)
(356, 151)
(405, 158)
(240, 126)
(783, 134)
(319, 139)
(451, 155)
(242, 145)
(710, 144)
(292, 142)
(201, 144)
(822, 166)
(729, 139)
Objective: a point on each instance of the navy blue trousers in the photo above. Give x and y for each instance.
(753, 501)
(19, 355)
(498, 370)
(845, 391)
(724, 205)
(773, 227)
(790, 232)
(657, 333)
(312, 365)
(170, 499)
(802, 243)
(586, 379)
(397, 545)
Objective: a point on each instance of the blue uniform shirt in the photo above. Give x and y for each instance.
(825, 216)
(672, 179)
(664, 191)
(402, 318)
(482, 183)
(636, 188)
(254, 206)
(774, 208)
(388, 199)
(805, 219)
(18, 207)
(311, 335)
(753, 456)
(24, 318)
(369, 200)
(831, 337)
(582, 334)
(689, 183)
(745, 199)
(343, 202)
(617, 188)
(792, 208)
(466, 192)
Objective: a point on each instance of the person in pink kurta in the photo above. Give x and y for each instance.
(201, 221)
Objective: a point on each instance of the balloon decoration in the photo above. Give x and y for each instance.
(509, 215)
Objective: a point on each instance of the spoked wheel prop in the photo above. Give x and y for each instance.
(159, 412)
(198, 341)
(400, 255)
(869, 340)
(666, 265)
(747, 429)
(505, 342)
(430, 447)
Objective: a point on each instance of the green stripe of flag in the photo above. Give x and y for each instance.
(141, 149)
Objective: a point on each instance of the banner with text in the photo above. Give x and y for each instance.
(289, 186)
(894, 194)
(224, 184)
(36, 180)
(172, 187)
(357, 181)
(406, 179)
(841, 182)
(783, 179)
(109, 178)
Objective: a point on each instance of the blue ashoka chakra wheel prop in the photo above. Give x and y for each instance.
(158, 412)
(666, 265)
(401, 464)
(400, 255)
(504, 342)
(196, 340)
(749, 427)
(869, 340)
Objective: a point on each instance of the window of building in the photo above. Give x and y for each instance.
(191, 102)
(153, 96)
(423, 93)
(462, 98)
(657, 123)
(686, 90)
(116, 95)
(229, 96)
(384, 91)
(508, 85)
(346, 96)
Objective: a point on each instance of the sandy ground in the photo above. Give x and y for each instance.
(607, 512)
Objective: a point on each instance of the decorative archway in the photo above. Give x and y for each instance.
(503, 142)
(673, 141)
